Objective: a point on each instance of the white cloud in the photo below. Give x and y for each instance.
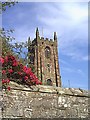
(69, 20)
(79, 71)
(67, 69)
(75, 55)
(73, 70)
(63, 62)
(85, 58)
(76, 12)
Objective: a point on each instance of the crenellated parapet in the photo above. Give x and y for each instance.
(38, 38)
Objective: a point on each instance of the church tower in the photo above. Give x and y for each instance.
(43, 54)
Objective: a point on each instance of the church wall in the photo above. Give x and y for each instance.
(43, 102)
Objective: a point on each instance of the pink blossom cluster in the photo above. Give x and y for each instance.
(13, 69)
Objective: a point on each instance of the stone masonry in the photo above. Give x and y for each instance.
(43, 102)
(44, 56)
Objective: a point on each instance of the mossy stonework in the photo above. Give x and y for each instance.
(44, 56)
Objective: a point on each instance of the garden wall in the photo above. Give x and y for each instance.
(43, 102)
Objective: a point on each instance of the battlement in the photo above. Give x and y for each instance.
(47, 40)
(38, 38)
(42, 38)
(51, 39)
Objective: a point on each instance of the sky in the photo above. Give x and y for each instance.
(69, 20)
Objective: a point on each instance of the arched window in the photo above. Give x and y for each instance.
(47, 52)
(49, 82)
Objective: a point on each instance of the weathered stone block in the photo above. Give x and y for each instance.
(30, 104)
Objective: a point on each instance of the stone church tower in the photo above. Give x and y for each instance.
(43, 54)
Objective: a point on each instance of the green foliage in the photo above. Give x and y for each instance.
(7, 42)
(32, 67)
(9, 3)
(17, 49)
(6, 39)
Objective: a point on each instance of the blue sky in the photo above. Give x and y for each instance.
(69, 20)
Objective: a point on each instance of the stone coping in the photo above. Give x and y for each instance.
(50, 89)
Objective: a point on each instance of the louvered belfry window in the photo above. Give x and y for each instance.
(47, 52)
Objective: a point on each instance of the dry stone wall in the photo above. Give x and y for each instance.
(43, 102)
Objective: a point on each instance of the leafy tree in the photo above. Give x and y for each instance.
(17, 49)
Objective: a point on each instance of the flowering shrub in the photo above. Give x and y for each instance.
(13, 70)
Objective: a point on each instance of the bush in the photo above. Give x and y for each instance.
(14, 70)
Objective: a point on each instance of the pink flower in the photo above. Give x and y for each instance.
(8, 88)
(40, 83)
(10, 71)
(28, 70)
(3, 81)
(6, 59)
(26, 77)
(7, 80)
(3, 71)
(19, 73)
(33, 80)
(23, 71)
(24, 68)
(15, 63)
(11, 57)
(1, 60)
(21, 65)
